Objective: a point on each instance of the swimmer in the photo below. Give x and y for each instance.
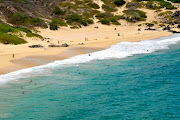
(35, 83)
(89, 54)
(23, 92)
(21, 87)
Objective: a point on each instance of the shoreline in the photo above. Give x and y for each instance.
(36, 57)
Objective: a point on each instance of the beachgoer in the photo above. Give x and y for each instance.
(13, 55)
(58, 42)
(30, 82)
(21, 87)
(35, 83)
(118, 34)
(89, 54)
(23, 92)
(114, 28)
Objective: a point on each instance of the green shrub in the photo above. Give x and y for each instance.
(141, 13)
(174, 1)
(113, 19)
(19, 19)
(116, 23)
(74, 27)
(135, 15)
(90, 14)
(133, 4)
(29, 34)
(149, 25)
(90, 21)
(105, 21)
(24, 20)
(10, 39)
(38, 22)
(58, 11)
(158, 10)
(109, 8)
(55, 23)
(161, 25)
(119, 2)
(74, 17)
(6, 28)
(170, 7)
(22, 29)
(22, 1)
(84, 23)
(104, 15)
(155, 22)
(93, 5)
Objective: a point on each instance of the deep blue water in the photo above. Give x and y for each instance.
(145, 86)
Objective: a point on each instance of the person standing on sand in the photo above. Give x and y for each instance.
(13, 55)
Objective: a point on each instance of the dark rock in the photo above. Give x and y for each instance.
(65, 45)
(167, 28)
(35, 46)
(149, 29)
(178, 26)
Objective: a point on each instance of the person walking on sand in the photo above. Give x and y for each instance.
(13, 55)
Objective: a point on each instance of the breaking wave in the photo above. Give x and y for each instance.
(121, 50)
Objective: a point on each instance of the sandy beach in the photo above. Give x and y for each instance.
(93, 39)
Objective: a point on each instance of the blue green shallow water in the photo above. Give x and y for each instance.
(145, 86)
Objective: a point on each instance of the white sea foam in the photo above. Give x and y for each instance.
(121, 50)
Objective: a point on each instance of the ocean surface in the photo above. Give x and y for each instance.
(134, 81)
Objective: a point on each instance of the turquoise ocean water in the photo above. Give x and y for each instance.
(135, 81)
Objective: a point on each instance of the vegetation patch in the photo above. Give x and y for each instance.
(108, 18)
(157, 4)
(134, 15)
(24, 20)
(7, 37)
(10, 39)
(58, 11)
(109, 8)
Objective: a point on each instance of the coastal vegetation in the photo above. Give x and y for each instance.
(9, 34)
(25, 20)
(157, 4)
(108, 18)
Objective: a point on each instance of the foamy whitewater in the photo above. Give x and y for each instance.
(121, 50)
